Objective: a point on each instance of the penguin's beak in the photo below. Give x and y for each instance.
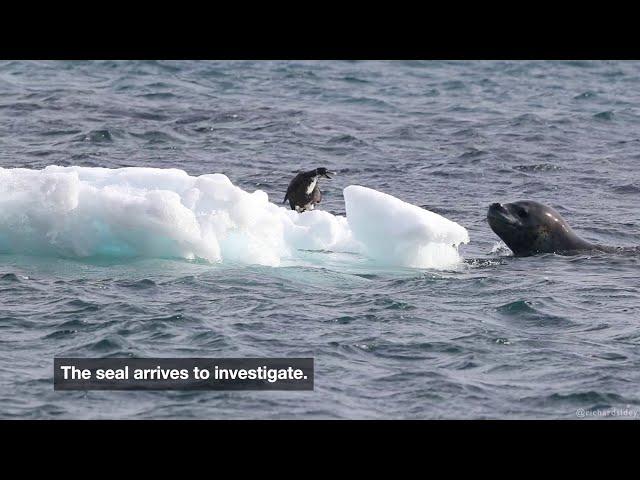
(326, 175)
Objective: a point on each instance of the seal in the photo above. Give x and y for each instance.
(303, 192)
(529, 228)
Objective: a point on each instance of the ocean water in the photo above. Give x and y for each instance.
(495, 337)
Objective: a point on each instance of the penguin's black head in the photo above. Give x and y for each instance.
(323, 172)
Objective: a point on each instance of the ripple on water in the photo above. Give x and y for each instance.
(157, 137)
(60, 334)
(108, 345)
(585, 95)
(538, 167)
(96, 136)
(390, 304)
(346, 139)
(630, 188)
(527, 119)
(585, 399)
(143, 284)
(525, 311)
(606, 116)
(9, 278)
(80, 306)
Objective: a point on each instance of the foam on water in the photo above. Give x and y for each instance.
(164, 213)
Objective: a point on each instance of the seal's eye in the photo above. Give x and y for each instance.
(522, 213)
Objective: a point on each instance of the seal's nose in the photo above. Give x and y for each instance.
(496, 205)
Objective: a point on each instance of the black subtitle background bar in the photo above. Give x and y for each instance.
(94, 364)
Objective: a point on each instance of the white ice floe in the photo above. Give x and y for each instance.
(150, 212)
(398, 233)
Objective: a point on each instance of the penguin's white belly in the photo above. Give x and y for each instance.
(311, 186)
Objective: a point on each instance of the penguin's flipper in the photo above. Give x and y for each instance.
(316, 195)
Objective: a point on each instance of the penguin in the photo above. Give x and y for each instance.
(303, 192)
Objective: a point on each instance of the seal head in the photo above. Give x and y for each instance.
(529, 227)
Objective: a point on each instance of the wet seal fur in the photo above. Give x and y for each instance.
(529, 228)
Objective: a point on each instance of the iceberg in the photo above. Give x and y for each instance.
(399, 233)
(166, 213)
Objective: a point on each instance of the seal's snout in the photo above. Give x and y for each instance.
(497, 209)
(497, 213)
